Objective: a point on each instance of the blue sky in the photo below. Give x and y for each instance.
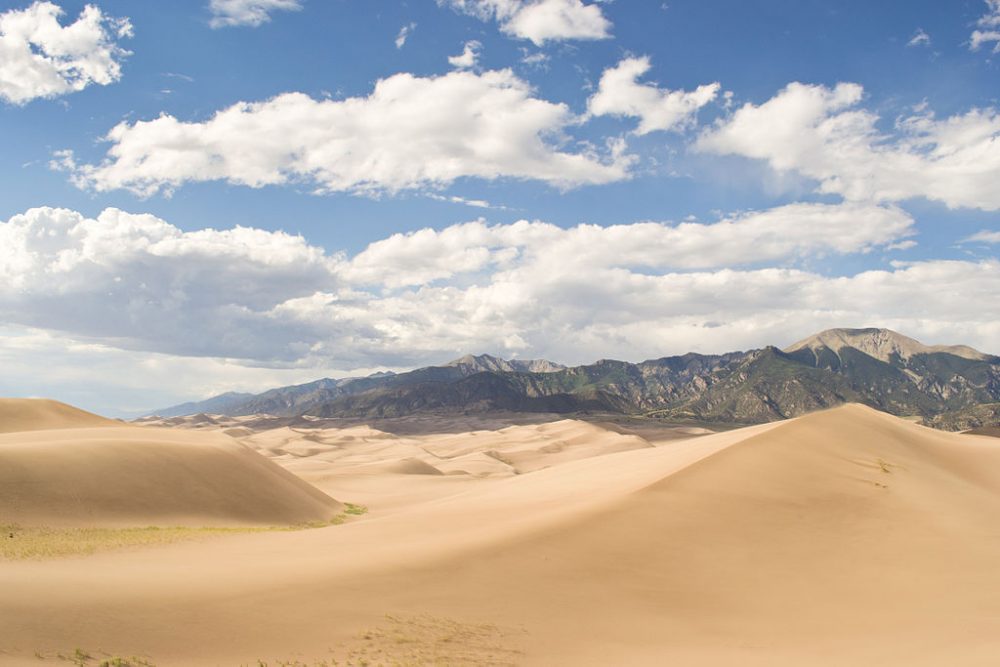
(688, 175)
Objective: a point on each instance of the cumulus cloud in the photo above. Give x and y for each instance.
(822, 133)
(988, 28)
(39, 58)
(620, 94)
(226, 13)
(468, 57)
(140, 281)
(411, 132)
(135, 282)
(539, 21)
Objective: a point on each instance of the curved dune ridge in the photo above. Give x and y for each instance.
(843, 537)
(38, 414)
(94, 474)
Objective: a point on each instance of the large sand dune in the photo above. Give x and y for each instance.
(843, 537)
(99, 475)
(37, 414)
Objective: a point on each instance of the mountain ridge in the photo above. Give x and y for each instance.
(876, 367)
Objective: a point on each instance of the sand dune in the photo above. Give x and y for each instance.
(36, 414)
(843, 537)
(132, 476)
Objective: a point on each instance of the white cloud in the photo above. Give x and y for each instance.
(920, 38)
(404, 34)
(990, 24)
(620, 94)
(411, 132)
(39, 58)
(539, 20)
(469, 56)
(454, 199)
(226, 13)
(537, 59)
(136, 282)
(821, 133)
(984, 236)
(791, 231)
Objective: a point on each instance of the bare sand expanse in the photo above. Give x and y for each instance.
(843, 537)
(393, 464)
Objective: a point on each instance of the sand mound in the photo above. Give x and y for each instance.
(146, 476)
(36, 414)
(411, 467)
(847, 536)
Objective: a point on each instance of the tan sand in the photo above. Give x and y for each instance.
(843, 537)
(36, 414)
(132, 476)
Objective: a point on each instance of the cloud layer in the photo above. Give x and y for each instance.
(821, 133)
(539, 21)
(136, 282)
(39, 58)
(411, 132)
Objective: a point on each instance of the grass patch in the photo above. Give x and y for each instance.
(402, 641)
(38, 542)
(355, 510)
(43, 542)
(82, 658)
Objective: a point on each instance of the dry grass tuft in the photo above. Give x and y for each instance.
(42, 542)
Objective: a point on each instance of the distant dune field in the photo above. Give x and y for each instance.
(843, 537)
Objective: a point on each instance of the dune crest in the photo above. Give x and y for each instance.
(38, 414)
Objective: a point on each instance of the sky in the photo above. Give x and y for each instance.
(204, 196)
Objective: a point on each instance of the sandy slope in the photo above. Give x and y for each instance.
(36, 414)
(843, 537)
(99, 475)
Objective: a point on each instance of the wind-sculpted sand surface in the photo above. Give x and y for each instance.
(842, 537)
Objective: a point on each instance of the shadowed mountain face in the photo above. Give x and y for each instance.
(876, 367)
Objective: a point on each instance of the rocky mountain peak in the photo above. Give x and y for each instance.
(881, 344)
(487, 362)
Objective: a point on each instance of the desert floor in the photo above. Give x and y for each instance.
(843, 537)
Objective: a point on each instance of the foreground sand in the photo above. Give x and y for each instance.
(843, 537)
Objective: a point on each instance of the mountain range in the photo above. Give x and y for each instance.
(949, 387)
